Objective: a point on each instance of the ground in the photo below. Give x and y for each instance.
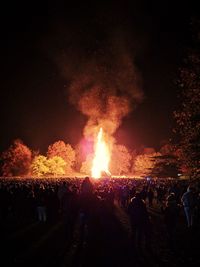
(108, 243)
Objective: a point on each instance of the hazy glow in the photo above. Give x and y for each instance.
(101, 157)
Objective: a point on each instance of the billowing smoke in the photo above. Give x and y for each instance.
(98, 63)
(106, 89)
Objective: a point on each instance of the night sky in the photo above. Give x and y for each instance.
(34, 102)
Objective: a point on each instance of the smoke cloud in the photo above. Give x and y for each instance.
(98, 63)
(106, 91)
(104, 86)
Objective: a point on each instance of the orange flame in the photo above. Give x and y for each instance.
(101, 157)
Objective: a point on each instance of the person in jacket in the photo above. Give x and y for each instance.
(188, 201)
(140, 222)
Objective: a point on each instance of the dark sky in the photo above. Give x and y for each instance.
(33, 97)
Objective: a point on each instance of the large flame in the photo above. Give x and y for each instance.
(101, 157)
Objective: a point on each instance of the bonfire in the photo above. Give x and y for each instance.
(101, 157)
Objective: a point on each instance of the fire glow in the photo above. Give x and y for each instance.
(101, 157)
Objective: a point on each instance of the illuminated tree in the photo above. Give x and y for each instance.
(166, 166)
(40, 166)
(120, 160)
(64, 151)
(56, 166)
(183, 168)
(143, 164)
(167, 149)
(188, 115)
(16, 160)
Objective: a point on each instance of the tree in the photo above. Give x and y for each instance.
(166, 166)
(120, 160)
(40, 166)
(64, 151)
(143, 164)
(167, 149)
(56, 166)
(183, 168)
(16, 160)
(188, 115)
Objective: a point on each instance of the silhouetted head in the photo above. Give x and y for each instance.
(138, 195)
(87, 179)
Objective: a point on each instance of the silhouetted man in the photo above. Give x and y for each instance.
(140, 222)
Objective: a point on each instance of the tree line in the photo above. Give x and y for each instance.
(62, 159)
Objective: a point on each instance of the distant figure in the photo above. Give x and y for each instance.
(189, 205)
(143, 193)
(62, 190)
(125, 196)
(86, 187)
(140, 222)
(150, 196)
(86, 206)
(133, 192)
(69, 211)
(41, 204)
(171, 213)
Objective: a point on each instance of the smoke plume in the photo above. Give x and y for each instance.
(106, 91)
(98, 62)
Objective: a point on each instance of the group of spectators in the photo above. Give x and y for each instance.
(85, 200)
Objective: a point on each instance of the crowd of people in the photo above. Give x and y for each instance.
(86, 200)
